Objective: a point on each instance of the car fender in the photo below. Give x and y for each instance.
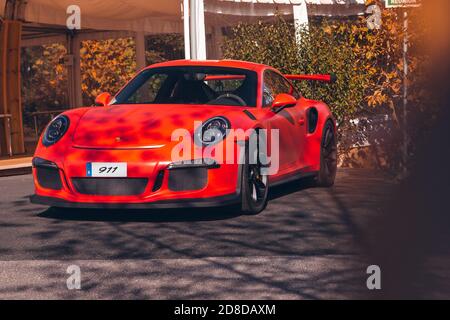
(57, 151)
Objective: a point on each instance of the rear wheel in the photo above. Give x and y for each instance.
(328, 157)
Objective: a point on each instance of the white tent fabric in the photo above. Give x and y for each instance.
(261, 8)
(164, 16)
(150, 16)
(296, 2)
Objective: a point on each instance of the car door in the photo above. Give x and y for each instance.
(289, 122)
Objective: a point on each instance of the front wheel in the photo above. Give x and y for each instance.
(254, 185)
(328, 157)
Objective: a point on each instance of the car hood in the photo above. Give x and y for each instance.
(139, 126)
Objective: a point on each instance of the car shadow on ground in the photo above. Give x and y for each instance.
(167, 215)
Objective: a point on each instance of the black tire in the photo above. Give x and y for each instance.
(254, 186)
(328, 157)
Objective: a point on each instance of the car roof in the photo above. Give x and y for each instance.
(211, 63)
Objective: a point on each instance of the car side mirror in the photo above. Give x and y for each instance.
(283, 101)
(103, 99)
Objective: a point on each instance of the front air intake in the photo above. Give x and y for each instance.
(110, 186)
(49, 178)
(158, 181)
(188, 179)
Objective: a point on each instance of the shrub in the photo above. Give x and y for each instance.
(368, 64)
(276, 44)
(106, 66)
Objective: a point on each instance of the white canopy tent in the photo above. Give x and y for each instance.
(166, 16)
(152, 16)
(160, 15)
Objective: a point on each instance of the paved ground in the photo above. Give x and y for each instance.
(309, 243)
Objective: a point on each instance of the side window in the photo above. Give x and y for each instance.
(292, 90)
(149, 90)
(281, 85)
(275, 84)
(268, 90)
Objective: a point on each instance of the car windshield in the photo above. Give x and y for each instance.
(191, 85)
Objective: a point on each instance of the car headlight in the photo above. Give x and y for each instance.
(212, 131)
(55, 130)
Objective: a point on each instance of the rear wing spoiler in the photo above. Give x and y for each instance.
(330, 78)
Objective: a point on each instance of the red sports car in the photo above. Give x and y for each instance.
(187, 134)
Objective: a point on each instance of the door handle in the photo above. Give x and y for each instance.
(301, 121)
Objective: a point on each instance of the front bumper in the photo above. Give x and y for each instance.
(184, 203)
(220, 185)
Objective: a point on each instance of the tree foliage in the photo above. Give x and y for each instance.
(368, 64)
(106, 66)
(44, 80)
(164, 47)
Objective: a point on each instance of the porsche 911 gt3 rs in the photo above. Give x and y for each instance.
(120, 152)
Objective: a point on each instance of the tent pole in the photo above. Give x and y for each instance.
(77, 70)
(405, 91)
(187, 39)
(74, 74)
(139, 39)
(300, 19)
(197, 28)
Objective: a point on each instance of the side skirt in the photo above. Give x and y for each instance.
(293, 177)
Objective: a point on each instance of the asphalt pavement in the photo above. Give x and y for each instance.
(309, 243)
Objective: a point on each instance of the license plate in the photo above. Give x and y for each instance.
(106, 169)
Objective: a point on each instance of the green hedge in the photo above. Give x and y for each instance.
(309, 52)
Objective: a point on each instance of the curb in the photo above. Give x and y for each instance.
(20, 167)
(15, 171)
